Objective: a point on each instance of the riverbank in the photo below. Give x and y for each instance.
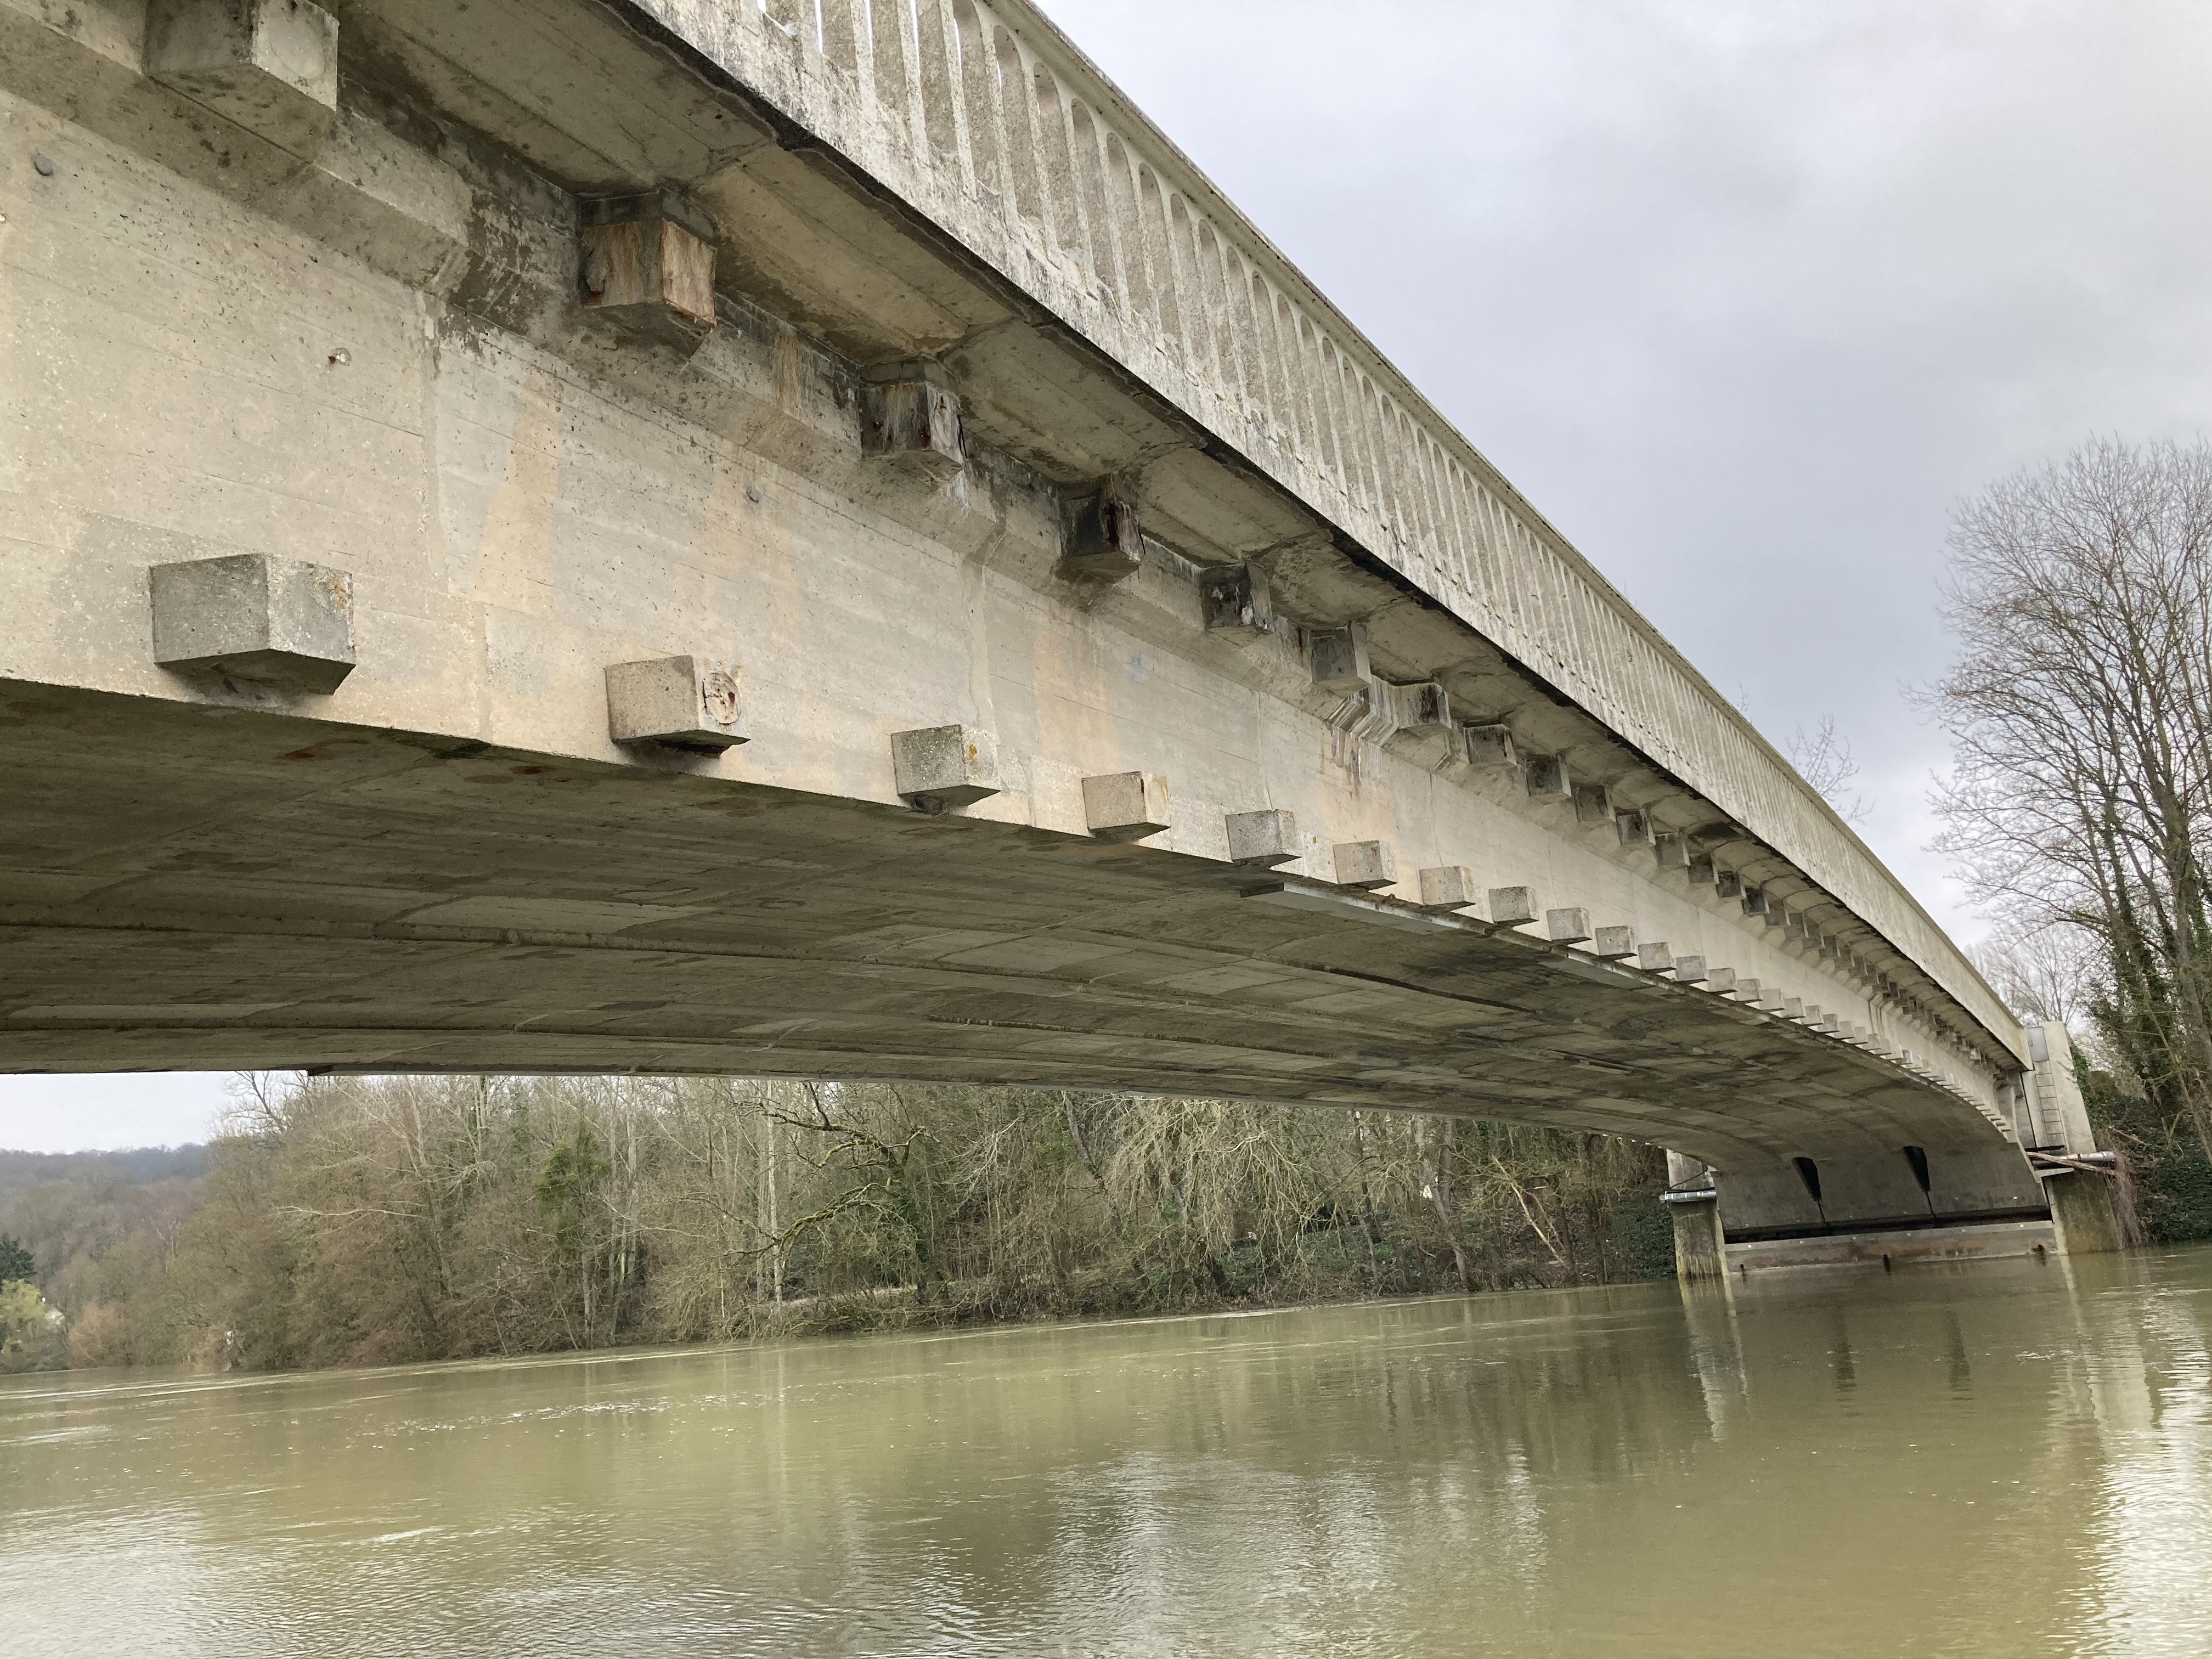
(359, 1221)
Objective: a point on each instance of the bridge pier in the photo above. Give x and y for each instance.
(1700, 1245)
(2083, 1211)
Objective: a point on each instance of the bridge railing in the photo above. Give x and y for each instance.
(988, 120)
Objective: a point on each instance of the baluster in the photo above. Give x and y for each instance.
(1018, 155)
(1159, 261)
(979, 98)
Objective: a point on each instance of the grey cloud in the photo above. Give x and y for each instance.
(1744, 297)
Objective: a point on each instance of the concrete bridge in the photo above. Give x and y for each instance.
(706, 535)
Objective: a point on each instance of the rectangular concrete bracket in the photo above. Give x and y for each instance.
(1613, 944)
(649, 266)
(252, 617)
(1593, 804)
(910, 415)
(270, 66)
(1720, 981)
(1512, 906)
(937, 767)
(1264, 839)
(1233, 599)
(1101, 540)
(1547, 778)
(1491, 746)
(1656, 958)
(685, 703)
(1635, 829)
(1671, 850)
(1365, 863)
(1727, 884)
(1337, 658)
(1570, 925)
(1126, 806)
(1426, 704)
(1447, 887)
(1688, 970)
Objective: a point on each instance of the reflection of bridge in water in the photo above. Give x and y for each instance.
(510, 516)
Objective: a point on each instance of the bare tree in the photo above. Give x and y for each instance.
(2080, 712)
(1823, 758)
(2048, 972)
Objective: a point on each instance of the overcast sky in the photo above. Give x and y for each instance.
(1743, 296)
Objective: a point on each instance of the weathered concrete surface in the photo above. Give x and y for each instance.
(947, 398)
(1918, 1247)
(259, 889)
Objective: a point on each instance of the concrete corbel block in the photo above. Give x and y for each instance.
(270, 66)
(1366, 864)
(1547, 778)
(1720, 981)
(1656, 958)
(1447, 887)
(1101, 540)
(250, 616)
(1337, 658)
(1613, 944)
(1492, 747)
(1690, 971)
(910, 414)
(649, 266)
(1512, 906)
(1635, 829)
(1265, 838)
(1671, 850)
(1754, 901)
(1701, 870)
(1593, 804)
(1727, 884)
(1126, 806)
(1745, 988)
(1234, 599)
(937, 767)
(1426, 704)
(1568, 926)
(684, 703)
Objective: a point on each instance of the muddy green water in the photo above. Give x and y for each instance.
(2003, 1460)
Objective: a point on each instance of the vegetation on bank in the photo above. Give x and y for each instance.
(363, 1221)
(2080, 807)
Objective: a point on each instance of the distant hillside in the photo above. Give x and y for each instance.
(135, 1166)
(92, 1219)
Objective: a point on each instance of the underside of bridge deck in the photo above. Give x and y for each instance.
(256, 890)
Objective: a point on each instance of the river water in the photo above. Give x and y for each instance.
(2010, 1460)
